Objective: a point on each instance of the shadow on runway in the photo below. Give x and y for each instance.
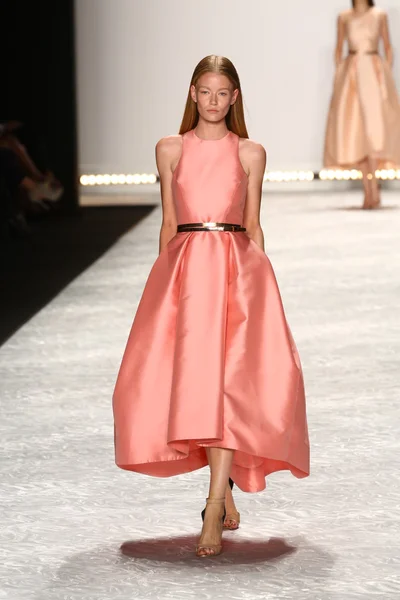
(178, 549)
(121, 571)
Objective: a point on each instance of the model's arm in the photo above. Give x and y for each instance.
(339, 41)
(386, 39)
(254, 159)
(167, 156)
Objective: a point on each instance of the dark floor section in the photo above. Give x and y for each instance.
(36, 268)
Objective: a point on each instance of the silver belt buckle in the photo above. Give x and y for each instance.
(212, 226)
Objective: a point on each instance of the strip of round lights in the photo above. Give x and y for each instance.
(136, 179)
(286, 176)
(339, 174)
(269, 176)
(388, 174)
(353, 174)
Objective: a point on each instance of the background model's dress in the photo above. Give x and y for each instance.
(210, 360)
(364, 116)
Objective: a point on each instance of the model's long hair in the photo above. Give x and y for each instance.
(235, 120)
(370, 3)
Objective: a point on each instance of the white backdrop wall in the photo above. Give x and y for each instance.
(135, 59)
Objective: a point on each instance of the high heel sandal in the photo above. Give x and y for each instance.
(203, 512)
(215, 548)
(232, 521)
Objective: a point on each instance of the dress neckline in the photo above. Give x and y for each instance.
(360, 15)
(204, 140)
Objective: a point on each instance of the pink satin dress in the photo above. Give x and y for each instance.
(364, 115)
(210, 360)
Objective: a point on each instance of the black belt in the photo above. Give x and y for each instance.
(369, 52)
(210, 226)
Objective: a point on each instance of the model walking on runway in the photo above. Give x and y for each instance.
(363, 129)
(211, 374)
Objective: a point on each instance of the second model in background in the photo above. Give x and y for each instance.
(363, 128)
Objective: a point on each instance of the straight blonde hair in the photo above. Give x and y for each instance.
(235, 120)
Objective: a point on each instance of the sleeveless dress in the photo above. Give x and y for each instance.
(364, 114)
(210, 360)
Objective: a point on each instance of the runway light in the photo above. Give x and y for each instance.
(388, 174)
(118, 179)
(339, 174)
(269, 176)
(288, 176)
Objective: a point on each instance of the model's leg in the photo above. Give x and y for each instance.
(374, 186)
(220, 461)
(230, 509)
(229, 501)
(364, 168)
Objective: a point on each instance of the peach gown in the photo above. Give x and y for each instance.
(210, 360)
(364, 115)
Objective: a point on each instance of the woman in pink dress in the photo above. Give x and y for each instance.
(363, 128)
(211, 374)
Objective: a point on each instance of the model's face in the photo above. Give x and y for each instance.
(214, 94)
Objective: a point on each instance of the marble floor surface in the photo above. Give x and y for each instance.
(74, 527)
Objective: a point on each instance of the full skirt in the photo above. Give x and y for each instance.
(210, 361)
(364, 115)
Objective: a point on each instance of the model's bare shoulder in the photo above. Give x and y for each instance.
(253, 157)
(345, 14)
(169, 144)
(251, 149)
(168, 152)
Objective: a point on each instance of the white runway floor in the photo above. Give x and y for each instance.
(74, 527)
